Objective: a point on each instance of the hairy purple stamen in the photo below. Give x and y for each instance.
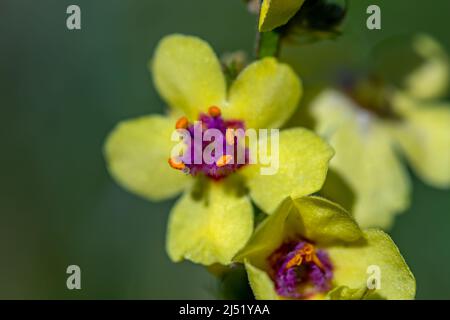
(223, 162)
(299, 271)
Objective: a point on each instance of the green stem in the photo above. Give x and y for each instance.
(268, 44)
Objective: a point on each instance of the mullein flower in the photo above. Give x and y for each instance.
(214, 217)
(367, 121)
(311, 248)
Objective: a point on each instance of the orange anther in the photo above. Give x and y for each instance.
(295, 261)
(224, 160)
(308, 249)
(214, 111)
(176, 165)
(182, 123)
(307, 253)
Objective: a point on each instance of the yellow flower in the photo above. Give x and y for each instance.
(365, 130)
(311, 248)
(214, 217)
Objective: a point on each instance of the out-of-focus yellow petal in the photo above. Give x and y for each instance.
(431, 79)
(275, 13)
(378, 178)
(354, 264)
(365, 159)
(302, 168)
(210, 228)
(265, 94)
(424, 136)
(136, 152)
(188, 74)
(332, 110)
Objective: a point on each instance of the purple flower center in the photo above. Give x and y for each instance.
(214, 147)
(300, 271)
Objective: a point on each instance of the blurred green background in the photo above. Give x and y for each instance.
(61, 93)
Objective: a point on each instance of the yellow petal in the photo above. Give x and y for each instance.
(265, 94)
(346, 293)
(354, 264)
(137, 151)
(424, 136)
(275, 13)
(331, 111)
(261, 284)
(323, 221)
(188, 74)
(431, 79)
(365, 159)
(372, 168)
(209, 229)
(303, 165)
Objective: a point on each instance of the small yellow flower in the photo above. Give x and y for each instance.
(214, 218)
(366, 133)
(311, 248)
